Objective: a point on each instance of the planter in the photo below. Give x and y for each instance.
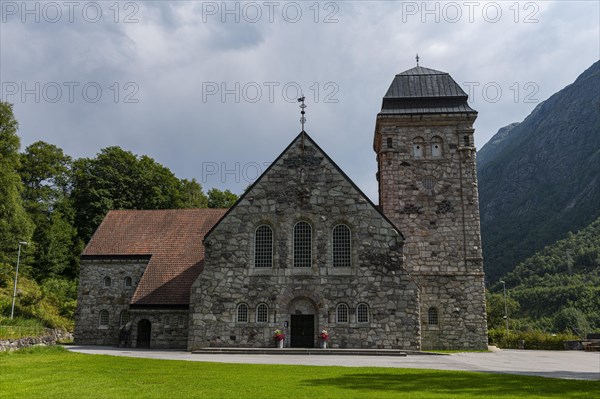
(280, 344)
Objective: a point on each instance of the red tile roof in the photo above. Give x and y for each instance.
(172, 237)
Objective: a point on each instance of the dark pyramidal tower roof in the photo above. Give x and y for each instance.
(424, 91)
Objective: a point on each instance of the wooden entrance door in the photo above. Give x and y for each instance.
(302, 331)
(144, 332)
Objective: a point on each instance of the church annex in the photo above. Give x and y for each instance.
(304, 249)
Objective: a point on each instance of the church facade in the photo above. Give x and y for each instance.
(304, 250)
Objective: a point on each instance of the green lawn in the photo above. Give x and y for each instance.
(56, 373)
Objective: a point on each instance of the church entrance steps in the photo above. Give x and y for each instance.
(308, 351)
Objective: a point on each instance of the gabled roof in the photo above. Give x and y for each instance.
(173, 240)
(300, 139)
(422, 90)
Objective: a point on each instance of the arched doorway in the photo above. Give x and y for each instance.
(302, 329)
(144, 332)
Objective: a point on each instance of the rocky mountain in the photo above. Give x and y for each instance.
(540, 179)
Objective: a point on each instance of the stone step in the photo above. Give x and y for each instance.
(302, 351)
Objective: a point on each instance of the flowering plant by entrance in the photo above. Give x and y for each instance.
(278, 335)
(324, 335)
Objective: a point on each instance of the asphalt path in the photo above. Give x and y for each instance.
(554, 364)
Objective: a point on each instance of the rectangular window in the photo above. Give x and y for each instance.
(302, 245)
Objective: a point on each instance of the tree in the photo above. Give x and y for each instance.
(45, 173)
(221, 199)
(192, 195)
(571, 320)
(118, 179)
(495, 309)
(15, 224)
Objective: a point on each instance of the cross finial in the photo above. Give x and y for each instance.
(302, 112)
(417, 58)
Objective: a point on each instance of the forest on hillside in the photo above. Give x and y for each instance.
(55, 203)
(555, 290)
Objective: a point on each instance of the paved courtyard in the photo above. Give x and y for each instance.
(554, 364)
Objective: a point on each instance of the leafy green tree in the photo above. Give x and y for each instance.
(45, 173)
(118, 179)
(221, 199)
(15, 224)
(495, 309)
(571, 320)
(192, 195)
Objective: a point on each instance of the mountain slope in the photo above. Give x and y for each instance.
(541, 178)
(564, 274)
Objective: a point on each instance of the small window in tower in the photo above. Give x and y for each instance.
(467, 141)
(418, 145)
(390, 142)
(432, 316)
(437, 145)
(429, 182)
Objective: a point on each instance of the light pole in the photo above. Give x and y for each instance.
(505, 307)
(12, 310)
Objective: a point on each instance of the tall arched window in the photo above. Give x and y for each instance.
(437, 147)
(432, 316)
(418, 147)
(262, 313)
(103, 319)
(123, 318)
(341, 246)
(302, 245)
(128, 282)
(362, 313)
(390, 142)
(263, 247)
(242, 313)
(107, 281)
(341, 313)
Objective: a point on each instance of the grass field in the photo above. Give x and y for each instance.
(56, 373)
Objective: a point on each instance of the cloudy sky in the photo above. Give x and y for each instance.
(208, 88)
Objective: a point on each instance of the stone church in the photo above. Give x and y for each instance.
(303, 249)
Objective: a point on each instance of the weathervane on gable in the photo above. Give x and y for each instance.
(302, 112)
(417, 58)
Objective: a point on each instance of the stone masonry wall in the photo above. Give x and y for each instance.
(434, 201)
(94, 297)
(303, 185)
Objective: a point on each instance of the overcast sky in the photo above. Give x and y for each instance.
(208, 88)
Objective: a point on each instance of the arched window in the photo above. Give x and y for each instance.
(418, 146)
(432, 316)
(362, 313)
(262, 313)
(181, 321)
(390, 142)
(341, 246)
(437, 147)
(107, 281)
(123, 318)
(302, 245)
(103, 319)
(167, 321)
(263, 247)
(341, 313)
(242, 313)
(127, 281)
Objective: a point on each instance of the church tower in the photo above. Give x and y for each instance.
(428, 188)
